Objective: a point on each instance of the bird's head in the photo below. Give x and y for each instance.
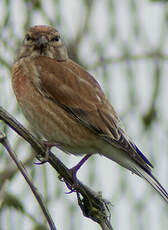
(43, 41)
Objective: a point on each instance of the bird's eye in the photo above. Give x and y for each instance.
(27, 37)
(56, 38)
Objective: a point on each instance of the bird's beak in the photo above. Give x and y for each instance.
(42, 42)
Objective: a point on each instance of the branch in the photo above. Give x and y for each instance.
(5, 143)
(9, 172)
(92, 204)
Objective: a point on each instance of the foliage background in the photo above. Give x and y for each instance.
(124, 45)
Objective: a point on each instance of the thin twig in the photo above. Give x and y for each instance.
(8, 173)
(5, 143)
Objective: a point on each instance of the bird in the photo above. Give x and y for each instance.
(67, 106)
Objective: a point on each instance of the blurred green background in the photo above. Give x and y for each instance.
(124, 44)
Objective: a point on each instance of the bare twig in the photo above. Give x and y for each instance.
(5, 143)
(92, 204)
(8, 173)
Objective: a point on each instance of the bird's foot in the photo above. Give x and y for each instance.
(74, 171)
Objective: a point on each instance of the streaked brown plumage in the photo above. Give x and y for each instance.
(66, 105)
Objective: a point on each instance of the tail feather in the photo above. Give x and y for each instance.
(153, 182)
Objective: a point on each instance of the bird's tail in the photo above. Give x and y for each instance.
(147, 175)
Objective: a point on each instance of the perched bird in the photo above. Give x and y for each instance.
(67, 106)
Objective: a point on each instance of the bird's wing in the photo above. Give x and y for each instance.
(78, 93)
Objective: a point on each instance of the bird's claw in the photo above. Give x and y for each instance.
(73, 171)
(72, 188)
